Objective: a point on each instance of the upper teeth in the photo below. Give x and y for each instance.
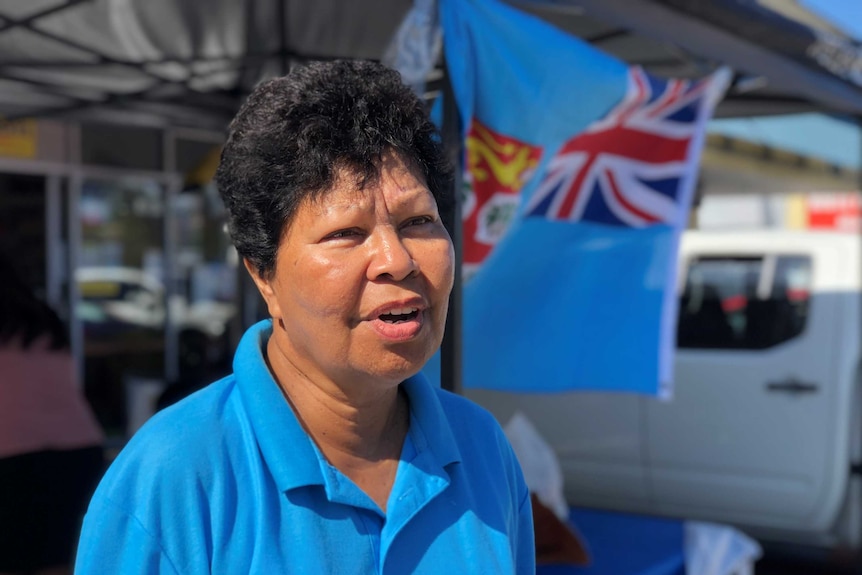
(401, 311)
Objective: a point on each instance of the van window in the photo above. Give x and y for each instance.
(743, 302)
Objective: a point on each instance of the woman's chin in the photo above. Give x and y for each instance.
(396, 366)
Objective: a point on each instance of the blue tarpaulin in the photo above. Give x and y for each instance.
(623, 544)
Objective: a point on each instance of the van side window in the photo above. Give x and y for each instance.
(743, 302)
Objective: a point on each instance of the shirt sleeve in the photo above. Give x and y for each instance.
(114, 542)
(525, 546)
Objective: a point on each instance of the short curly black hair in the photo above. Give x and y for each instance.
(295, 134)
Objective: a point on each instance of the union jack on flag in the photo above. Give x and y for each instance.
(585, 177)
(626, 168)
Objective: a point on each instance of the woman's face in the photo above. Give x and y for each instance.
(362, 280)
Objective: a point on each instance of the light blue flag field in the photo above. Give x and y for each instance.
(579, 173)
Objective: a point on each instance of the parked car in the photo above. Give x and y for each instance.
(116, 300)
(764, 429)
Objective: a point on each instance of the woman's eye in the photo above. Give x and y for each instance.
(418, 221)
(341, 234)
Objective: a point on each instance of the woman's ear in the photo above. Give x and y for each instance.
(266, 288)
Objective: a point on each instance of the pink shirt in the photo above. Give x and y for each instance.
(41, 407)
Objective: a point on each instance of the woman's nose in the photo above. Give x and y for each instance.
(390, 257)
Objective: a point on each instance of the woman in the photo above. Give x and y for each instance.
(50, 444)
(325, 451)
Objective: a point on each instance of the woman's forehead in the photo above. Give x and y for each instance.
(393, 193)
(398, 181)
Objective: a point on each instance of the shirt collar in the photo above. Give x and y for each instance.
(429, 424)
(286, 447)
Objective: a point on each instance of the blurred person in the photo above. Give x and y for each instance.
(326, 451)
(50, 444)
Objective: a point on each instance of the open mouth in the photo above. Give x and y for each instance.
(400, 315)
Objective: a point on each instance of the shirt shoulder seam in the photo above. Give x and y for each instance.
(143, 528)
(524, 499)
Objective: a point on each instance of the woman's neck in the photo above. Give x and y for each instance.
(366, 424)
(360, 431)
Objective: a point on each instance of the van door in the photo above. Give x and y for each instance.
(596, 436)
(751, 436)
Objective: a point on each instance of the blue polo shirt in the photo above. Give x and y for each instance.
(228, 482)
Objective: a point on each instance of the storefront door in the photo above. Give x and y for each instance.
(154, 293)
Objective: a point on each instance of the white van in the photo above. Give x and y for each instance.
(764, 428)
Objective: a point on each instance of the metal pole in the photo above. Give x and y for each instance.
(170, 190)
(859, 174)
(450, 351)
(284, 65)
(76, 326)
(54, 244)
(169, 248)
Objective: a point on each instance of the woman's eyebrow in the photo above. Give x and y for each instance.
(412, 194)
(326, 206)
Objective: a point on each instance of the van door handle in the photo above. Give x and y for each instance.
(792, 386)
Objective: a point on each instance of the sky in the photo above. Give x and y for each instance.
(810, 134)
(846, 14)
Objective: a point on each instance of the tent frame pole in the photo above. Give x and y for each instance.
(450, 351)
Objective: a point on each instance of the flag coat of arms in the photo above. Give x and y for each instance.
(579, 172)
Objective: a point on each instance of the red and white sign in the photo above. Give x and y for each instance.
(834, 211)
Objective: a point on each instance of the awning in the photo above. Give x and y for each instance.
(191, 62)
(788, 61)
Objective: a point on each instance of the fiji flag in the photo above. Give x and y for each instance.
(579, 176)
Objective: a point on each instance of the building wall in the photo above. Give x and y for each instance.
(750, 185)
